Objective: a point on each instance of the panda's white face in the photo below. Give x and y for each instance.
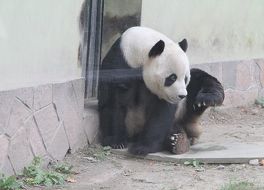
(168, 74)
(166, 71)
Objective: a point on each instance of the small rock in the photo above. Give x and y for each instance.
(177, 164)
(254, 162)
(90, 159)
(261, 162)
(71, 180)
(127, 172)
(255, 112)
(200, 169)
(220, 167)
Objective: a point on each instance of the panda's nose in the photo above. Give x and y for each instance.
(181, 96)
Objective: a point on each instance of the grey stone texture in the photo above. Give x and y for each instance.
(91, 124)
(229, 74)
(7, 168)
(43, 121)
(70, 112)
(6, 101)
(19, 112)
(35, 138)
(19, 150)
(4, 142)
(238, 97)
(78, 87)
(243, 81)
(25, 95)
(59, 144)
(42, 96)
(260, 63)
(47, 121)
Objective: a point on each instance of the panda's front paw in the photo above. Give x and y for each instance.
(204, 100)
(119, 146)
(114, 143)
(179, 143)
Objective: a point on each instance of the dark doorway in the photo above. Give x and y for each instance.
(101, 23)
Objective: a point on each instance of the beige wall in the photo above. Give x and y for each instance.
(216, 30)
(38, 42)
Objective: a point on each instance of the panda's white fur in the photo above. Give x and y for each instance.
(136, 44)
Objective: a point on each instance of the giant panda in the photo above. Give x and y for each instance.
(149, 99)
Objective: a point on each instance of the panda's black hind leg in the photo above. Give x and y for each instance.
(113, 131)
(147, 142)
(158, 124)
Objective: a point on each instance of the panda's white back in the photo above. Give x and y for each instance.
(136, 43)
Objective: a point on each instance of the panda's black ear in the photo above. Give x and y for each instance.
(157, 49)
(183, 44)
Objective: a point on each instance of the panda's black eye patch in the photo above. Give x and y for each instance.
(170, 80)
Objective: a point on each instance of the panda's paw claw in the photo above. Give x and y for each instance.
(174, 140)
(119, 146)
(179, 143)
(174, 137)
(198, 106)
(209, 99)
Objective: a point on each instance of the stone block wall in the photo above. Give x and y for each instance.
(243, 81)
(44, 121)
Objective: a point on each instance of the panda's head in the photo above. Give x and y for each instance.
(167, 72)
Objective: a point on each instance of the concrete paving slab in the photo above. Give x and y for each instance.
(229, 153)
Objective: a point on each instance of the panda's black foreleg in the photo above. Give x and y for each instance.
(204, 91)
(157, 126)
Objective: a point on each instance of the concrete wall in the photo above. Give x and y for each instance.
(216, 30)
(41, 88)
(38, 42)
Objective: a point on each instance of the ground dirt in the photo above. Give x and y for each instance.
(115, 172)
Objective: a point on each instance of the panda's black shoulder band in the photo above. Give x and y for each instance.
(120, 75)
